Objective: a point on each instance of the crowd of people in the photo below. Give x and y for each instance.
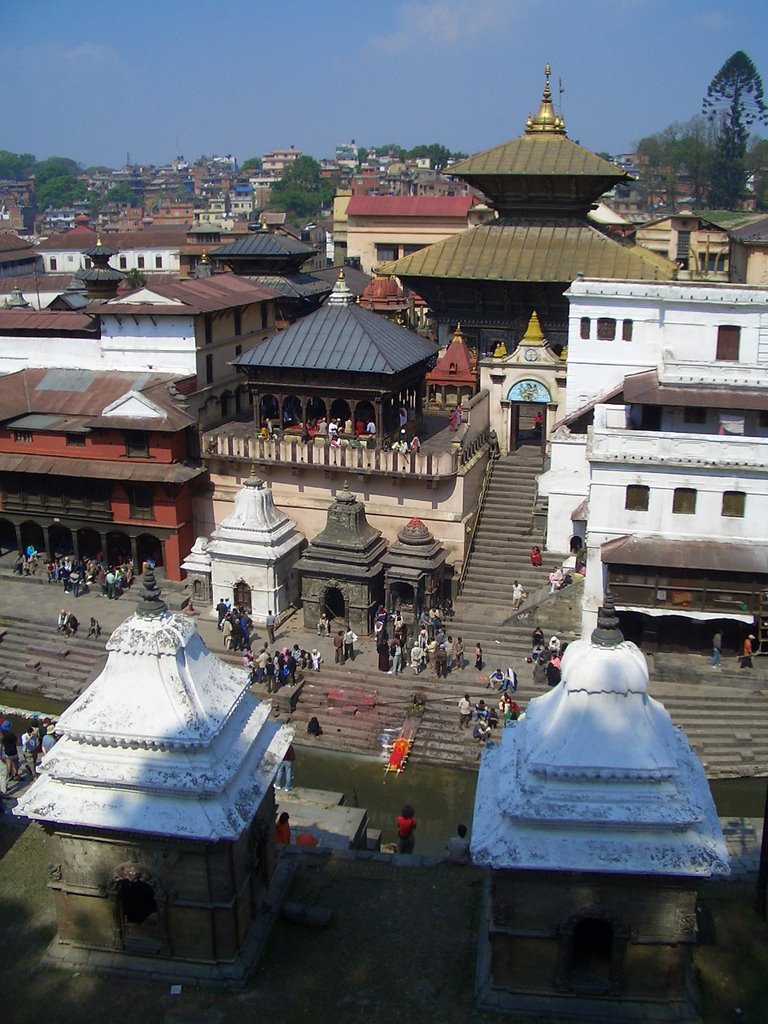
(20, 755)
(80, 576)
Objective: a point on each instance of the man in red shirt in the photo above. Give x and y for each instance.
(406, 826)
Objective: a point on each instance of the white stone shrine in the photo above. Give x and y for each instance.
(253, 554)
(159, 805)
(597, 821)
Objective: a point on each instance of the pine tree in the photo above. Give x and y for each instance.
(734, 101)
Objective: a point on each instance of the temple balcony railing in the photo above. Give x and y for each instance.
(609, 440)
(223, 445)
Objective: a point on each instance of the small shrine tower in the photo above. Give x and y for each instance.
(253, 554)
(596, 819)
(159, 807)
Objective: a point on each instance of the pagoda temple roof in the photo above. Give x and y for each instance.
(341, 337)
(261, 244)
(542, 154)
(529, 250)
(456, 365)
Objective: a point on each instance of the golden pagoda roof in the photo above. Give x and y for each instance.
(532, 251)
(544, 153)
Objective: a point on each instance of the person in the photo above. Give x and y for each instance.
(406, 826)
(349, 643)
(221, 611)
(323, 626)
(72, 624)
(371, 428)
(284, 777)
(441, 662)
(10, 750)
(382, 650)
(537, 641)
(554, 645)
(415, 444)
(493, 717)
(226, 629)
(496, 678)
(458, 847)
(478, 656)
(745, 661)
(465, 711)
(283, 829)
(517, 595)
(269, 622)
(455, 421)
(493, 445)
(316, 658)
(554, 674)
(717, 649)
(396, 654)
(458, 652)
(538, 423)
(536, 558)
(481, 711)
(61, 621)
(509, 682)
(418, 657)
(30, 749)
(338, 648)
(94, 629)
(481, 732)
(555, 579)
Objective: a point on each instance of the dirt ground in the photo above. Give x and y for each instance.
(402, 946)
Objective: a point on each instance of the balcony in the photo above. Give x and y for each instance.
(610, 441)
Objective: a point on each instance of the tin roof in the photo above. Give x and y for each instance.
(410, 206)
(720, 556)
(263, 243)
(545, 154)
(194, 295)
(531, 251)
(98, 469)
(342, 338)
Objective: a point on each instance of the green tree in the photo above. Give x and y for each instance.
(15, 166)
(121, 193)
(135, 279)
(734, 101)
(680, 152)
(57, 184)
(253, 163)
(301, 191)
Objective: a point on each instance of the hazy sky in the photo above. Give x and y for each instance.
(97, 80)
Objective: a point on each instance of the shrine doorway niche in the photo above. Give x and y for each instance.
(592, 956)
(402, 598)
(149, 549)
(334, 605)
(32, 536)
(60, 541)
(528, 404)
(242, 596)
(139, 909)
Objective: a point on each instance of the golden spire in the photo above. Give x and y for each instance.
(500, 352)
(546, 120)
(458, 334)
(533, 331)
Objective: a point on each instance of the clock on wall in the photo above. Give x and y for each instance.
(531, 355)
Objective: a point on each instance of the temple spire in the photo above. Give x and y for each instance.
(150, 604)
(546, 120)
(607, 633)
(341, 295)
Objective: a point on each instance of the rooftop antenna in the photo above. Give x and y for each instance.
(560, 91)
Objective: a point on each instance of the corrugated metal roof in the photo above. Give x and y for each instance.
(34, 421)
(543, 154)
(410, 206)
(722, 556)
(341, 338)
(61, 322)
(151, 472)
(293, 285)
(203, 295)
(66, 380)
(531, 251)
(644, 388)
(263, 243)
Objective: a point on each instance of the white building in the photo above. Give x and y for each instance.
(153, 251)
(662, 463)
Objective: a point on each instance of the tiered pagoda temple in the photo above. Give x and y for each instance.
(492, 276)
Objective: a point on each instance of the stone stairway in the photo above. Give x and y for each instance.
(36, 658)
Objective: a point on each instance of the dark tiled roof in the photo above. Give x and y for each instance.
(341, 339)
(293, 285)
(149, 238)
(532, 251)
(357, 281)
(12, 243)
(45, 320)
(755, 233)
(262, 243)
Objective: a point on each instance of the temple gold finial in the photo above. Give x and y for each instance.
(546, 120)
(533, 331)
(458, 334)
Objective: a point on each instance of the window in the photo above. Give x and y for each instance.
(208, 328)
(238, 350)
(692, 414)
(137, 444)
(75, 440)
(386, 252)
(158, 262)
(209, 369)
(636, 498)
(22, 436)
(728, 343)
(684, 501)
(626, 330)
(606, 329)
(733, 504)
(409, 250)
(238, 322)
(123, 262)
(141, 504)
(586, 324)
(54, 263)
(140, 262)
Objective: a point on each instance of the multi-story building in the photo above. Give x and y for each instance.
(661, 464)
(275, 162)
(96, 463)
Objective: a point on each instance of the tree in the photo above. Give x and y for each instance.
(135, 279)
(121, 193)
(57, 184)
(301, 191)
(253, 163)
(734, 101)
(15, 166)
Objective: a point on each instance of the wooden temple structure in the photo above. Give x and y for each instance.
(341, 362)
(454, 377)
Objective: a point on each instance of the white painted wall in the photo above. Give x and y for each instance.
(66, 261)
(166, 345)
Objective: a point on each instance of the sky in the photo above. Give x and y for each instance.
(100, 81)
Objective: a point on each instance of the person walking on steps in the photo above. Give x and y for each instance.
(269, 622)
(717, 649)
